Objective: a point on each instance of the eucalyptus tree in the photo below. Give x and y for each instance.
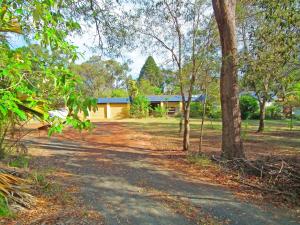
(171, 27)
(289, 95)
(232, 145)
(206, 67)
(271, 44)
(107, 21)
(170, 84)
(101, 77)
(208, 73)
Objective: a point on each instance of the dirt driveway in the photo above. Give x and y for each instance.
(123, 177)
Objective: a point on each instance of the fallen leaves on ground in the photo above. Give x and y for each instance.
(57, 202)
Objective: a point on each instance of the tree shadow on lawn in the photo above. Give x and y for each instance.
(283, 134)
(117, 182)
(165, 136)
(170, 129)
(276, 139)
(137, 152)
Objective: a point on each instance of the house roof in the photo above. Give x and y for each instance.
(172, 98)
(113, 100)
(152, 98)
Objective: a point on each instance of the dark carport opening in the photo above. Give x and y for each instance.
(153, 105)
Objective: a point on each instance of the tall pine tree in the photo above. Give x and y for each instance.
(151, 72)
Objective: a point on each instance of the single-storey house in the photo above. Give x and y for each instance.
(119, 108)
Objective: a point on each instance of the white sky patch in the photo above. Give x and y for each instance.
(137, 61)
(87, 43)
(15, 40)
(136, 58)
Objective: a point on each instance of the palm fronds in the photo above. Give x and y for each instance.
(14, 190)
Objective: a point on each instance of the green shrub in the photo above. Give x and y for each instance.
(215, 112)
(211, 111)
(39, 178)
(196, 110)
(248, 106)
(20, 161)
(274, 112)
(160, 111)
(199, 159)
(139, 107)
(255, 115)
(4, 210)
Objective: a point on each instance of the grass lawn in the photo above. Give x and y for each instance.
(277, 139)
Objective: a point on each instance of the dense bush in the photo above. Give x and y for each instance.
(211, 111)
(160, 111)
(248, 106)
(297, 117)
(274, 112)
(215, 112)
(196, 109)
(255, 115)
(139, 107)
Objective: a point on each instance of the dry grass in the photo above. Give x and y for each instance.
(277, 139)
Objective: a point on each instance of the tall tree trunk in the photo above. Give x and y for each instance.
(262, 115)
(186, 132)
(202, 120)
(232, 146)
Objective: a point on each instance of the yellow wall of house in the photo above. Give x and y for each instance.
(119, 111)
(110, 111)
(99, 114)
(171, 104)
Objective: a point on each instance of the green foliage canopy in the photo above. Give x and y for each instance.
(272, 53)
(102, 77)
(25, 72)
(146, 88)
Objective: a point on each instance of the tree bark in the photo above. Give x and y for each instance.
(202, 121)
(232, 146)
(262, 115)
(186, 133)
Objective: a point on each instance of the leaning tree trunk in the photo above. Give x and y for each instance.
(262, 115)
(232, 146)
